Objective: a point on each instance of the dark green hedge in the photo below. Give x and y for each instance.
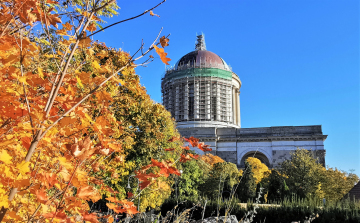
(299, 210)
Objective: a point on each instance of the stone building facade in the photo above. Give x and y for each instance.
(203, 95)
(271, 145)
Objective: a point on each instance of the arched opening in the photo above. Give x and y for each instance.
(257, 155)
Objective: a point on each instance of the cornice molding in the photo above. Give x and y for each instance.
(264, 139)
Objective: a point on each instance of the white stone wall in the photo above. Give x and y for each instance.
(283, 149)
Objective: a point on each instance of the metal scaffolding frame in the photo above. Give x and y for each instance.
(199, 99)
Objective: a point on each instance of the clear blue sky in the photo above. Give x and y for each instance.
(298, 60)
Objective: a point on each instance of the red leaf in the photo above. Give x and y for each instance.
(26, 141)
(186, 148)
(204, 147)
(193, 141)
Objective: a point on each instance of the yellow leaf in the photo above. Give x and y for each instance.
(63, 161)
(96, 65)
(23, 80)
(79, 82)
(7, 171)
(5, 157)
(4, 201)
(41, 74)
(45, 208)
(23, 167)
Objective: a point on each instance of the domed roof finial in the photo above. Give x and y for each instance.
(200, 45)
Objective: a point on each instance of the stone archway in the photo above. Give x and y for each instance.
(256, 154)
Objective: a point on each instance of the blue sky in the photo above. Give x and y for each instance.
(298, 60)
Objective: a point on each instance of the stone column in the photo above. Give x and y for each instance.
(237, 107)
(228, 104)
(233, 106)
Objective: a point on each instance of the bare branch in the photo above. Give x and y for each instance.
(128, 18)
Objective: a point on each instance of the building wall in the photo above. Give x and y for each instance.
(272, 145)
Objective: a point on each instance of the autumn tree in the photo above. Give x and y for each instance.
(335, 183)
(259, 169)
(221, 179)
(303, 173)
(56, 119)
(211, 159)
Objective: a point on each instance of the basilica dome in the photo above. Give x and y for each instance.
(201, 90)
(202, 58)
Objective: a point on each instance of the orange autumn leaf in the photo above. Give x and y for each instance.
(132, 210)
(85, 192)
(204, 147)
(162, 54)
(185, 147)
(22, 183)
(153, 14)
(111, 219)
(91, 27)
(59, 215)
(91, 217)
(113, 199)
(103, 96)
(26, 141)
(41, 196)
(193, 141)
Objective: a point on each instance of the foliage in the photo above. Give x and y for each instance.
(275, 187)
(306, 178)
(258, 168)
(303, 173)
(211, 159)
(188, 183)
(335, 183)
(247, 186)
(222, 178)
(62, 139)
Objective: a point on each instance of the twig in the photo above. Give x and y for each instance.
(128, 18)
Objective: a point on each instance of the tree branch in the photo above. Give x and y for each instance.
(128, 18)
